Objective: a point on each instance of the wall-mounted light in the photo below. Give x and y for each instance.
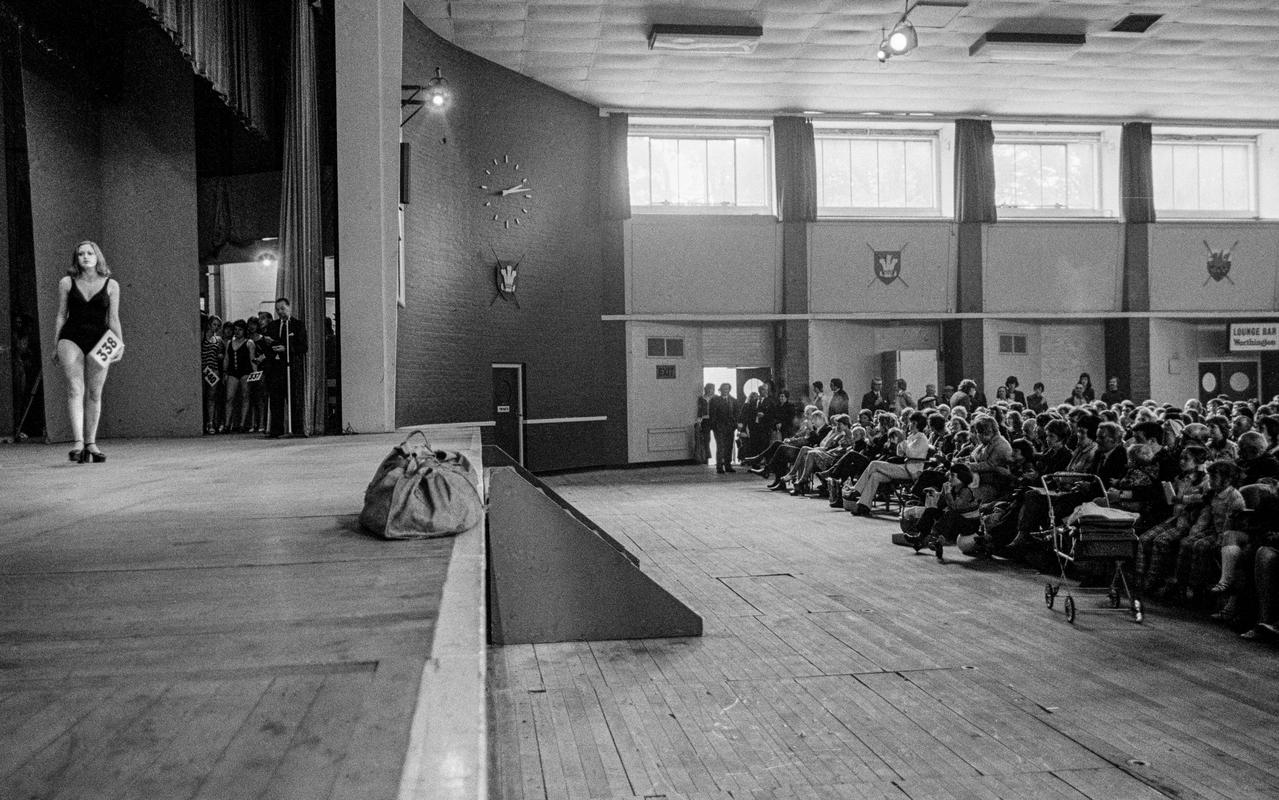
(437, 91)
(268, 259)
(434, 94)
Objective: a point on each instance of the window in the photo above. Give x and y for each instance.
(1047, 174)
(700, 169)
(1012, 344)
(659, 347)
(877, 172)
(1206, 176)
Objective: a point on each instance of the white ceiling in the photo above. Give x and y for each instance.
(1205, 60)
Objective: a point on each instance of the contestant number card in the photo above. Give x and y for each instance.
(107, 349)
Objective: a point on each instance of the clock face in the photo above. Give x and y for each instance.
(507, 193)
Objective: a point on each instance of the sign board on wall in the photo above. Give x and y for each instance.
(665, 372)
(1253, 336)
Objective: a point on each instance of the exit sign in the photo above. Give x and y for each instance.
(665, 372)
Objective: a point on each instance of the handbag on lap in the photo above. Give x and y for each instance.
(418, 492)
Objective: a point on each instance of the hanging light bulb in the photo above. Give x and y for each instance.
(903, 39)
(882, 53)
(437, 91)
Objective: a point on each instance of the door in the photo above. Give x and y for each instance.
(1237, 380)
(508, 409)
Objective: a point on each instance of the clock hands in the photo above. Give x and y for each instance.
(517, 189)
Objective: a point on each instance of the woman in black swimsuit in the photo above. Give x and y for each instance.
(88, 306)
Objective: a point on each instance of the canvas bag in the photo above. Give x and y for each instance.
(418, 492)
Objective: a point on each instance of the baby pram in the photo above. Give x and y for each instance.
(1092, 533)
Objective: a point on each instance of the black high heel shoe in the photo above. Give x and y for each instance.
(89, 456)
(76, 456)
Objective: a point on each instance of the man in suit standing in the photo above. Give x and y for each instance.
(724, 409)
(286, 349)
(838, 403)
(874, 400)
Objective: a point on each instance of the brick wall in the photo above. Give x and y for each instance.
(451, 329)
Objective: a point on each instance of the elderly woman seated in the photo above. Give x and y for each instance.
(812, 459)
(911, 455)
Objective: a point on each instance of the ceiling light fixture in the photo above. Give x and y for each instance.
(721, 39)
(901, 39)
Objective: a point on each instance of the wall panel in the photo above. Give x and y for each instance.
(660, 411)
(705, 264)
(1052, 266)
(841, 267)
(1179, 259)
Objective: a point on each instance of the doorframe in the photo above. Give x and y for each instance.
(523, 415)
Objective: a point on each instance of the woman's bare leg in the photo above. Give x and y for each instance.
(95, 377)
(71, 359)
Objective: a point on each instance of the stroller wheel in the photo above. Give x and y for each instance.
(1138, 613)
(1070, 609)
(1050, 596)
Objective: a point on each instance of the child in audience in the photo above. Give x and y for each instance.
(1195, 556)
(1132, 490)
(1160, 544)
(951, 512)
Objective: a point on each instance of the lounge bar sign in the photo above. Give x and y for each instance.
(1245, 336)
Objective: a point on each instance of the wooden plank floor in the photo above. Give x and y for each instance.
(836, 665)
(202, 619)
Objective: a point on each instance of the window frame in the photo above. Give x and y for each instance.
(931, 136)
(1251, 145)
(656, 129)
(1013, 340)
(1063, 137)
(666, 354)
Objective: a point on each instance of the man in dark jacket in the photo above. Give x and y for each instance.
(286, 347)
(724, 410)
(874, 400)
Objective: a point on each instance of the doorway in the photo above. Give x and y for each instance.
(1236, 380)
(508, 409)
(744, 380)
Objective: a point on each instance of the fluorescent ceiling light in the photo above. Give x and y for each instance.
(999, 46)
(705, 38)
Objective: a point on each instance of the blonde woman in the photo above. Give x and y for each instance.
(88, 307)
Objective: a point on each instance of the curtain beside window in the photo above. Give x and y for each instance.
(301, 274)
(974, 171)
(617, 180)
(796, 168)
(1136, 172)
(223, 41)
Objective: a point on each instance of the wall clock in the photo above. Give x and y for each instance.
(507, 193)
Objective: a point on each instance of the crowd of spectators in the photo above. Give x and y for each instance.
(1203, 478)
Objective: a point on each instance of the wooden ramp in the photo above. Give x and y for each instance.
(555, 576)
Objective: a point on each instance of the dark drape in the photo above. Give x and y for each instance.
(301, 276)
(223, 40)
(796, 169)
(617, 189)
(974, 171)
(1136, 172)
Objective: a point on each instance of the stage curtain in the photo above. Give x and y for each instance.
(1136, 172)
(617, 176)
(223, 41)
(301, 276)
(796, 168)
(974, 171)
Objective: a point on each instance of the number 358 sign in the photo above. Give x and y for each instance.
(107, 349)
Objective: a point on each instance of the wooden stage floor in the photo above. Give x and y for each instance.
(201, 618)
(836, 665)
